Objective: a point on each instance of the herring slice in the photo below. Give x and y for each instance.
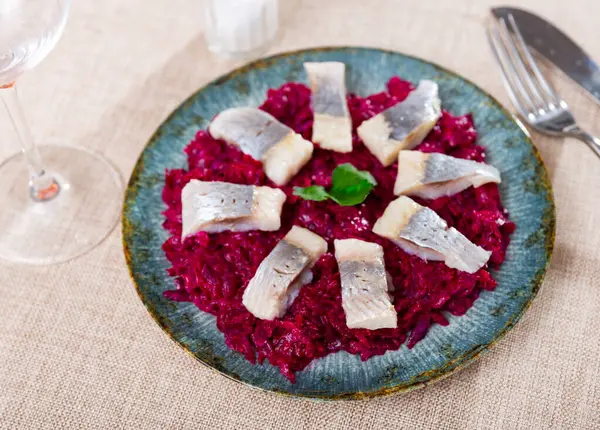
(258, 134)
(418, 230)
(332, 127)
(404, 125)
(365, 285)
(214, 207)
(434, 175)
(279, 277)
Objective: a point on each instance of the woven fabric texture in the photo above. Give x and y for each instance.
(79, 350)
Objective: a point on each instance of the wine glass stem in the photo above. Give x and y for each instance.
(42, 186)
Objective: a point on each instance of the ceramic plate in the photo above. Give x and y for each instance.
(525, 191)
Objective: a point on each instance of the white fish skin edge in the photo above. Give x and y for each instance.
(404, 125)
(435, 175)
(332, 126)
(365, 285)
(214, 206)
(418, 230)
(281, 275)
(259, 134)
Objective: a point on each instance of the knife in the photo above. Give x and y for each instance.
(557, 47)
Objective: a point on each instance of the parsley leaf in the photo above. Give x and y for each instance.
(314, 192)
(349, 187)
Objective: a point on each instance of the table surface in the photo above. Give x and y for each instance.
(79, 350)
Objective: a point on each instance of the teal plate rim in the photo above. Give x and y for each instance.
(543, 237)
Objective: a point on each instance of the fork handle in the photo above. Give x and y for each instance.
(592, 141)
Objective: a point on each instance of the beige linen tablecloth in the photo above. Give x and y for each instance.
(79, 350)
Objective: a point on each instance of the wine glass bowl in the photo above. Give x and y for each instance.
(28, 34)
(56, 202)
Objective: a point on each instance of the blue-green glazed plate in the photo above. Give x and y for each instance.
(525, 190)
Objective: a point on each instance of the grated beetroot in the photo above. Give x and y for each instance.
(212, 270)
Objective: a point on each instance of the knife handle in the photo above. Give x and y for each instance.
(592, 141)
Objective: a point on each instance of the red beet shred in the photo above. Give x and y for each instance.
(212, 270)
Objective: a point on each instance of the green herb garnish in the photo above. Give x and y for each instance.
(349, 187)
(314, 192)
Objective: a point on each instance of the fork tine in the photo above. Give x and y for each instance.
(532, 63)
(518, 86)
(509, 83)
(517, 59)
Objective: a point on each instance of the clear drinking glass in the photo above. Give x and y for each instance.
(56, 202)
(240, 28)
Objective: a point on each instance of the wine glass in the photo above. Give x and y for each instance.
(56, 202)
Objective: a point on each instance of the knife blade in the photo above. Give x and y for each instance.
(557, 47)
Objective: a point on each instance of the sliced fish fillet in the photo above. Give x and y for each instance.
(332, 127)
(434, 175)
(365, 285)
(214, 207)
(404, 125)
(282, 151)
(418, 230)
(282, 273)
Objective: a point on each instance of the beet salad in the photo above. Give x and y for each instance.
(331, 233)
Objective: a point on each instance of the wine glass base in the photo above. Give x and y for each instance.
(83, 213)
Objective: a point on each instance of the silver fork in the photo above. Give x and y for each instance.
(531, 94)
